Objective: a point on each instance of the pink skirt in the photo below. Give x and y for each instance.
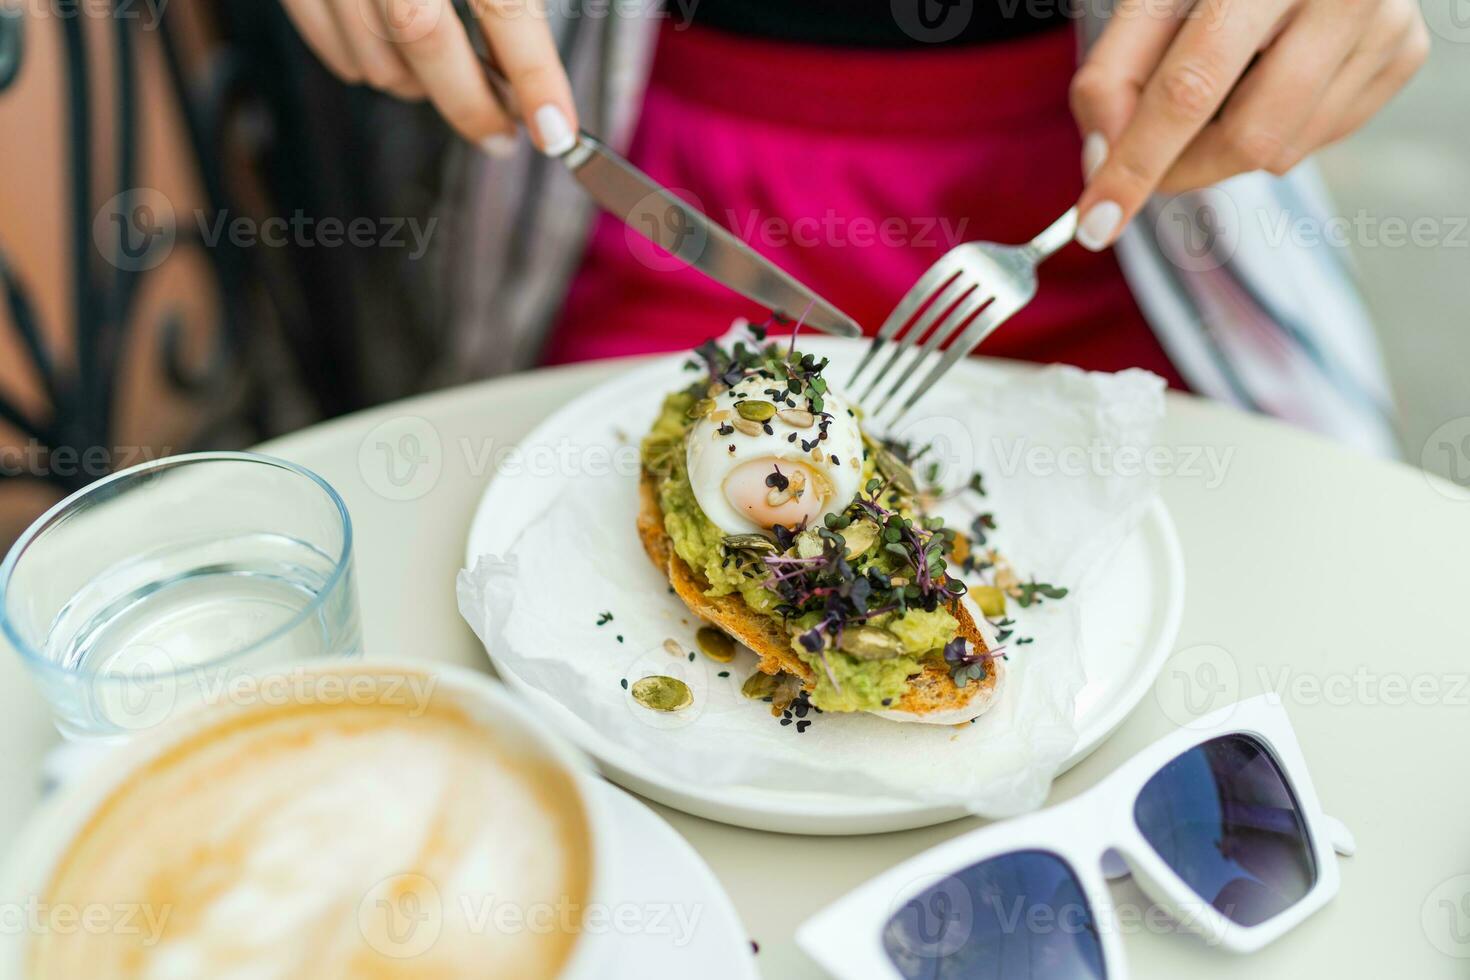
(856, 170)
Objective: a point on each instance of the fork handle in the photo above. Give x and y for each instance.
(1046, 244)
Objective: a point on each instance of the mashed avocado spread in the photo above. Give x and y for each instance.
(861, 683)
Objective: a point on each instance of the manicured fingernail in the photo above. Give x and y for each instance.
(1099, 225)
(499, 146)
(1094, 152)
(556, 133)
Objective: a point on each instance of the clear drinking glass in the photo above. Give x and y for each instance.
(152, 589)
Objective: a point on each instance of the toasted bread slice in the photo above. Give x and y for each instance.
(931, 694)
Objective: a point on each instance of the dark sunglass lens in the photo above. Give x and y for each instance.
(1223, 817)
(1017, 915)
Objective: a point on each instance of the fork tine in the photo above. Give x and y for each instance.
(955, 290)
(947, 330)
(994, 315)
(937, 275)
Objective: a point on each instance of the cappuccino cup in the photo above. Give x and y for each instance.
(364, 820)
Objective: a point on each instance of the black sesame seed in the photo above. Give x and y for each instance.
(625, 683)
(802, 726)
(723, 673)
(620, 638)
(691, 655)
(785, 722)
(887, 702)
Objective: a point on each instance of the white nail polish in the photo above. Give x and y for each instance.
(1094, 154)
(556, 133)
(499, 146)
(1098, 225)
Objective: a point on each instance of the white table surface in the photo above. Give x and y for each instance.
(1339, 580)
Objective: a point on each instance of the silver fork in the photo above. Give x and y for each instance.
(979, 283)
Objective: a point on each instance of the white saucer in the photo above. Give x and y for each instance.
(678, 921)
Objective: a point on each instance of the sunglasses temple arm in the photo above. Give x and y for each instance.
(1342, 838)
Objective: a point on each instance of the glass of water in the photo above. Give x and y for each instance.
(155, 589)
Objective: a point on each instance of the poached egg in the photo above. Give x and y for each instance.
(755, 462)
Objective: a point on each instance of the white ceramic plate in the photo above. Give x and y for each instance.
(680, 922)
(1131, 616)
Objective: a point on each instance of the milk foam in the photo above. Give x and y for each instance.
(333, 842)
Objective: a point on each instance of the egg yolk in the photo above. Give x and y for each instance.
(773, 491)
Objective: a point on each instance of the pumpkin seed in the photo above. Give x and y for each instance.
(991, 600)
(808, 544)
(895, 470)
(756, 543)
(860, 536)
(661, 693)
(701, 408)
(797, 418)
(756, 411)
(759, 685)
(871, 643)
(716, 645)
(747, 426)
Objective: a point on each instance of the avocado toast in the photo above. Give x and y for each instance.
(857, 605)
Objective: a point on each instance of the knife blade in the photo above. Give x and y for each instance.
(678, 227)
(695, 239)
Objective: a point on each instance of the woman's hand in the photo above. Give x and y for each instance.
(418, 48)
(1177, 94)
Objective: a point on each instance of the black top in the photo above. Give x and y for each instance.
(875, 23)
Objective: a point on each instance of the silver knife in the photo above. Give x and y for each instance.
(684, 231)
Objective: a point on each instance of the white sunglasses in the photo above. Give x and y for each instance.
(1218, 824)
